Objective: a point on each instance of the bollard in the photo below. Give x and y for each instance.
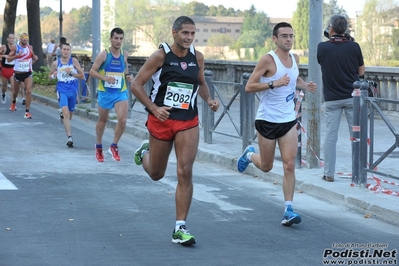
(363, 134)
(208, 116)
(247, 113)
(356, 132)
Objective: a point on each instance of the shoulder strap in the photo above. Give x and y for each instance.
(165, 47)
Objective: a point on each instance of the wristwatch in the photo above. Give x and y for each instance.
(271, 85)
(70, 74)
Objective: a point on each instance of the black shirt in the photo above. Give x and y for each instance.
(340, 61)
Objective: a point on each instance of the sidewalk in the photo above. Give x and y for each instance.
(226, 150)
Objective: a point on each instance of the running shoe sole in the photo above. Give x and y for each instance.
(137, 154)
(295, 220)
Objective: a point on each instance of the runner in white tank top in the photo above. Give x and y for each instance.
(275, 78)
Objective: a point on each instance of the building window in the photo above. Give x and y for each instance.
(237, 31)
(197, 30)
(196, 40)
(228, 30)
(205, 40)
(205, 30)
(222, 30)
(213, 30)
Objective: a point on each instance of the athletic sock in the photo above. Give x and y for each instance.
(287, 204)
(249, 154)
(179, 223)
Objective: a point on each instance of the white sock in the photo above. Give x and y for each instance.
(287, 203)
(249, 154)
(179, 223)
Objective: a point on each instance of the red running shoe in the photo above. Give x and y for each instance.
(13, 107)
(99, 155)
(114, 152)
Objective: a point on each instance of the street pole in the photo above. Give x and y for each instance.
(96, 42)
(313, 100)
(61, 18)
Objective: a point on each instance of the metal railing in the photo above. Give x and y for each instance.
(362, 103)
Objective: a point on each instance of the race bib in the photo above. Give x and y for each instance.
(23, 65)
(178, 95)
(118, 80)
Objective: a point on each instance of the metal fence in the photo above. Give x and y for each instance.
(365, 110)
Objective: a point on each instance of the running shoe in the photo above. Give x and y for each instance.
(182, 236)
(290, 217)
(138, 154)
(243, 162)
(3, 99)
(99, 154)
(113, 150)
(70, 142)
(27, 115)
(13, 107)
(61, 116)
(23, 101)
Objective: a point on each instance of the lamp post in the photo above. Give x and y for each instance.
(60, 18)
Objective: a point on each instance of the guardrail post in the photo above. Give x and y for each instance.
(129, 93)
(207, 115)
(247, 114)
(356, 132)
(298, 110)
(363, 133)
(93, 89)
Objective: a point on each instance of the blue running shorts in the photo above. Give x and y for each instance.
(67, 98)
(107, 100)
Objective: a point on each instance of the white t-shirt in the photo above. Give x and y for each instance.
(50, 47)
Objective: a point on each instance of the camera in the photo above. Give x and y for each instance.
(346, 35)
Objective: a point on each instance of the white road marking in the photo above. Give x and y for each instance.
(6, 184)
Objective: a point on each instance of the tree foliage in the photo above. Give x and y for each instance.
(375, 31)
(300, 23)
(256, 29)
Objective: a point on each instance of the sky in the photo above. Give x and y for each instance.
(275, 10)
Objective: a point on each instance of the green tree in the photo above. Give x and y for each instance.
(194, 9)
(83, 19)
(330, 9)
(374, 31)
(153, 19)
(300, 23)
(256, 29)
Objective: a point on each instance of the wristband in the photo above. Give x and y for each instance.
(52, 76)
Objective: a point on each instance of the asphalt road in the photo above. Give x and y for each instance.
(59, 206)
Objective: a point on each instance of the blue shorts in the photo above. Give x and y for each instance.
(107, 100)
(67, 98)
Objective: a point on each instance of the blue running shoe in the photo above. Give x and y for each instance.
(243, 162)
(290, 217)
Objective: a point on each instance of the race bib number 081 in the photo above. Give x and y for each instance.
(178, 95)
(118, 80)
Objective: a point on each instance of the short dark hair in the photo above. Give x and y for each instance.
(178, 24)
(339, 24)
(62, 40)
(65, 43)
(117, 31)
(280, 25)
